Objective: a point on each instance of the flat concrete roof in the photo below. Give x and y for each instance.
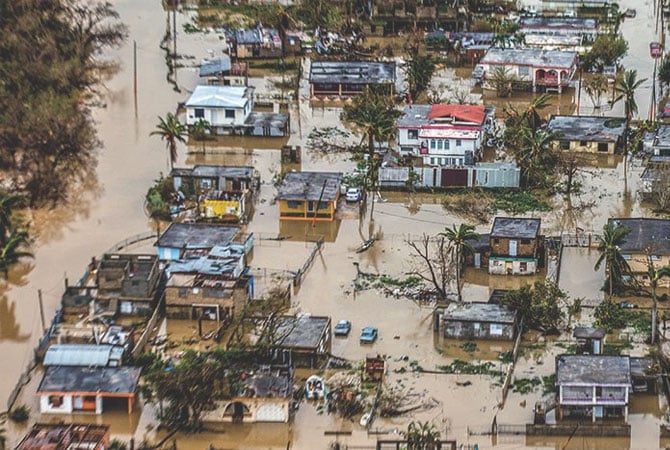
(105, 380)
(535, 57)
(592, 370)
(301, 331)
(479, 312)
(267, 120)
(589, 333)
(352, 72)
(215, 66)
(193, 236)
(587, 128)
(61, 436)
(557, 24)
(309, 185)
(515, 227)
(651, 235)
(210, 171)
(270, 383)
(662, 138)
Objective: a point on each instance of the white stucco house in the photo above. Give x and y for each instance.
(444, 135)
(221, 106)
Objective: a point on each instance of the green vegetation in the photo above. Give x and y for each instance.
(459, 244)
(625, 89)
(51, 65)
(421, 436)
(419, 73)
(469, 346)
(170, 130)
(611, 316)
(159, 197)
(525, 385)
(548, 384)
(19, 413)
(542, 306)
(519, 202)
(616, 266)
(14, 237)
(607, 50)
(470, 368)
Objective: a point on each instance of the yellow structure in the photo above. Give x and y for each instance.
(220, 205)
(647, 241)
(309, 196)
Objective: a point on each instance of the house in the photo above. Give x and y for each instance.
(309, 196)
(67, 390)
(481, 249)
(660, 143)
(546, 70)
(303, 339)
(87, 355)
(62, 436)
(131, 280)
(221, 71)
(591, 134)
(256, 42)
(444, 135)
(349, 78)
(644, 375)
(229, 110)
(647, 241)
(589, 340)
(221, 106)
(593, 386)
(563, 6)
(480, 321)
(580, 27)
(227, 190)
(214, 287)
(184, 240)
(655, 176)
(265, 395)
(516, 246)
(481, 174)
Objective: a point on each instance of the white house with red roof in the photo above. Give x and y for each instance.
(444, 135)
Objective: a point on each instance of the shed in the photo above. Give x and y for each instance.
(589, 340)
(83, 355)
(306, 337)
(480, 321)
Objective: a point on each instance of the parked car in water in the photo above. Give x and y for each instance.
(630, 12)
(342, 328)
(655, 50)
(354, 194)
(368, 335)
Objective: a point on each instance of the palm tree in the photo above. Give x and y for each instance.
(535, 156)
(13, 248)
(502, 80)
(171, 131)
(374, 113)
(625, 89)
(654, 276)
(421, 436)
(200, 131)
(664, 73)
(613, 237)
(595, 86)
(459, 244)
(531, 115)
(8, 204)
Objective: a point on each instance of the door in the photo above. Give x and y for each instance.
(478, 260)
(513, 247)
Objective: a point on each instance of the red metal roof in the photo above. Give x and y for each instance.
(466, 113)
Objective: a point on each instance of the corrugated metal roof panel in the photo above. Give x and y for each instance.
(77, 355)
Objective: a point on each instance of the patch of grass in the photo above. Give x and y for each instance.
(506, 357)
(469, 346)
(525, 385)
(19, 413)
(519, 202)
(464, 367)
(570, 349)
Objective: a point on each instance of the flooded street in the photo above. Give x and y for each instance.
(111, 209)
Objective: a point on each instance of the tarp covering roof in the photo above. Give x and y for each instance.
(466, 113)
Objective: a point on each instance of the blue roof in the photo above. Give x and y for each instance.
(81, 355)
(215, 66)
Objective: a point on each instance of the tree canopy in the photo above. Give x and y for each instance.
(49, 66)
(542, 305)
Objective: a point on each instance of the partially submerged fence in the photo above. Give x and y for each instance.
(510, 368)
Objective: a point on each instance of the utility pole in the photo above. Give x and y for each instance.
(39, 299)
(135, 75)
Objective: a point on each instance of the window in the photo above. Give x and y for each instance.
(565, 145)
(655, 257)
(599, 391)
(603, 147)
(230, 113)
(294, 204)
(432, 161)
(496, 241)
(525, 241)
(496, 329)
(199, 113)
(56, 401)
(524, 70)
(582, 143)
(626, 256)
(446, 145)
(458, 142)
(523, 266)
(439, 145)
(432, 145)
(183, 292)
(324, 205)
(412, 134)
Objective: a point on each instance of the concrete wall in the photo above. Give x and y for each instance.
(501, 247)
(501, 266)
(478, 330)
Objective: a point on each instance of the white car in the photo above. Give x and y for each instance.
(354, 194)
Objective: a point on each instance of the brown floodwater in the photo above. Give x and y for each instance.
(110, 208)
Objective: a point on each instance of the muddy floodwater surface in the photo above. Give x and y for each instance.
(112, 210)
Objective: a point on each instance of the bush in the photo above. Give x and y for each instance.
(20, 413)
